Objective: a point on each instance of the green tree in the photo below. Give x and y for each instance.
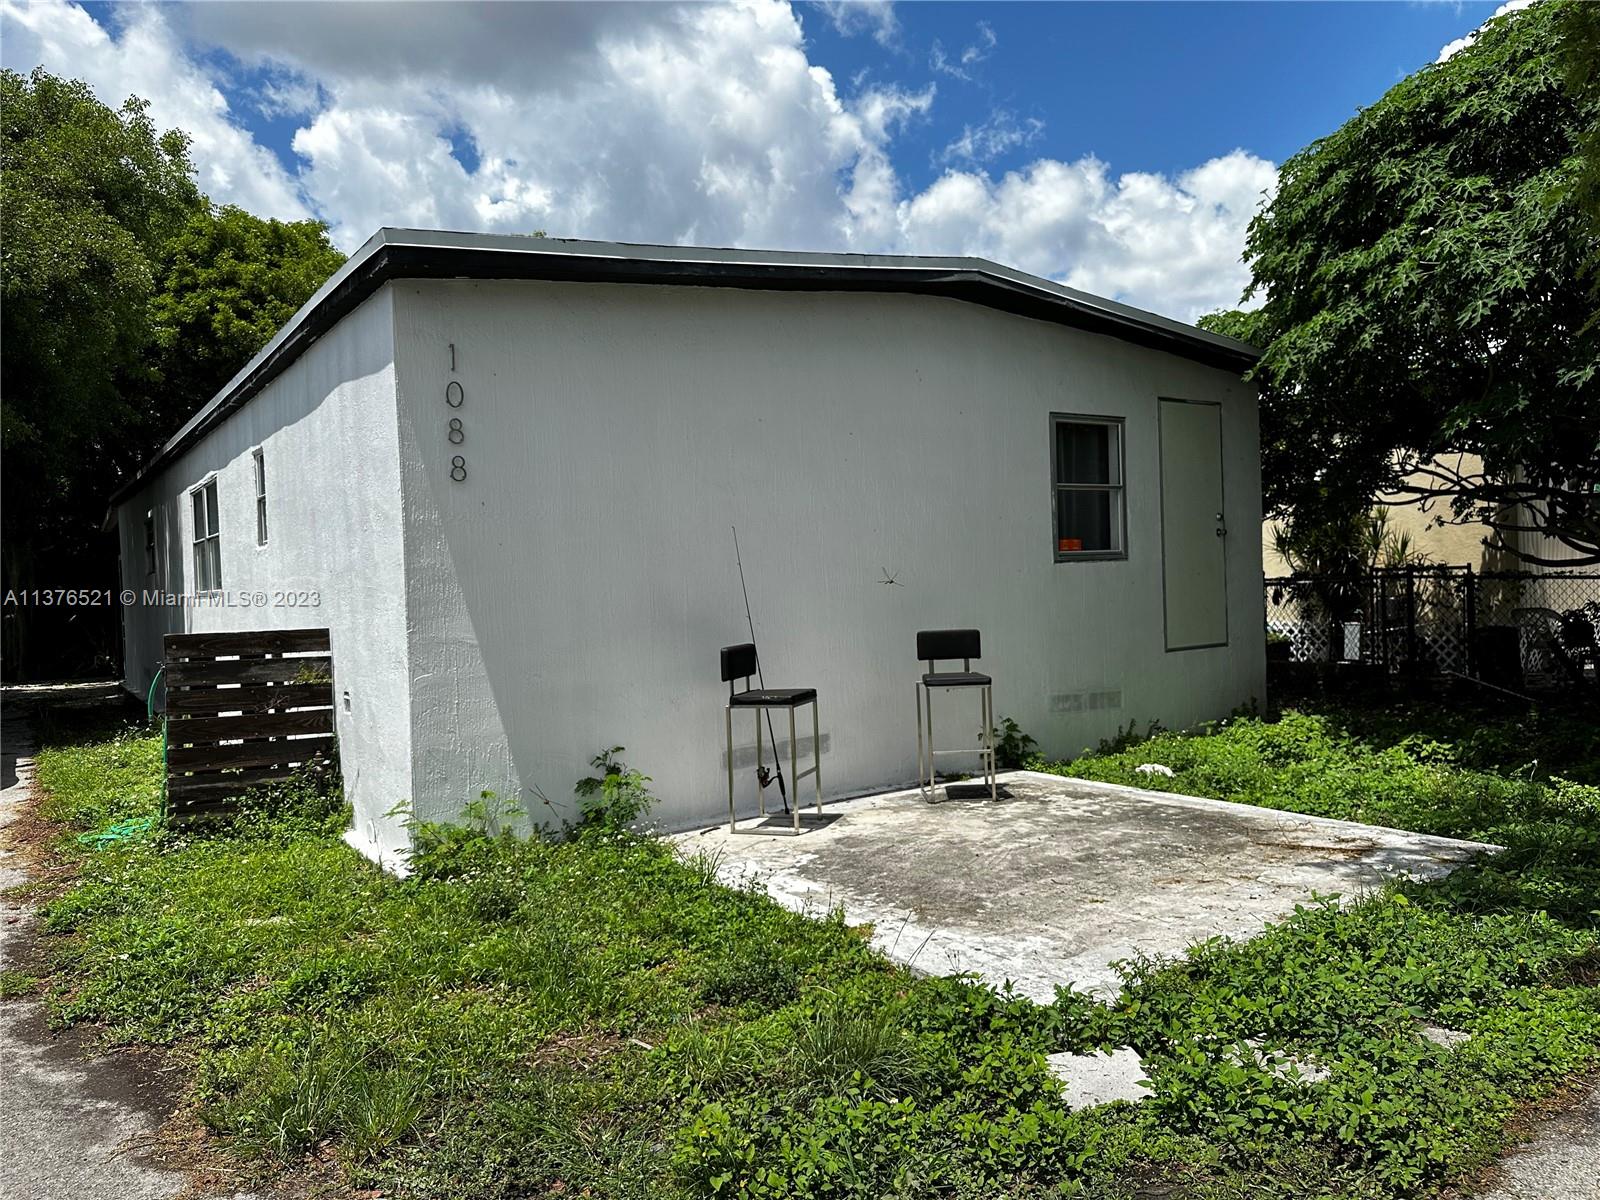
(87, 196)
(226, 282)
(1422, 271)
(128, 301)
(1580, 36)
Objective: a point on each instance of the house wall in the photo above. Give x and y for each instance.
(328, 433)
(572, 590)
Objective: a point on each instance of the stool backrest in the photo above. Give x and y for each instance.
(738, 662)
(935, 644)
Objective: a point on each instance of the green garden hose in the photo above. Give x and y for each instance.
(135, 827)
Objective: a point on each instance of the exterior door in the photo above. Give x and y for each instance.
(1193, 535)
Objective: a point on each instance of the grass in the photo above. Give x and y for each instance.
(1489, 775)
(596, 1017)
(17, 983)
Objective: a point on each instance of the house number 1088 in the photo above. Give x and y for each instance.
(455, 396)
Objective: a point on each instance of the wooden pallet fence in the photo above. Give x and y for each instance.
(243, 709)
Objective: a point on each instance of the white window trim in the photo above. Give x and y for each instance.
(258, 473)
(197, 540)
(1118, 490)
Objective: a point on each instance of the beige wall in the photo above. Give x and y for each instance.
(1449, 545)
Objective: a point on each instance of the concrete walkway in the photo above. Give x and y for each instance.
(69, 1125)
(1061, 877)
(1561, 1162)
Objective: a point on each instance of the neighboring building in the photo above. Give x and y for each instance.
(1444, 543)
(502, 471)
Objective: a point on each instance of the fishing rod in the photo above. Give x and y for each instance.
(763, 776)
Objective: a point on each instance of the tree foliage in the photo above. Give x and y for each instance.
(1422, 270)
(1579, 26)
(128, 299)
(88, 196)
(227, 282)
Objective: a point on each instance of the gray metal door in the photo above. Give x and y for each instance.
(1193, 542)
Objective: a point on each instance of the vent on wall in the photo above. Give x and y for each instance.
(1071, 702)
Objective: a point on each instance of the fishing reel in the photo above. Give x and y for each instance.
(764, 777)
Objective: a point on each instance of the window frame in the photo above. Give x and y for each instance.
(202, 540)
(1118, 491)
(258, 468)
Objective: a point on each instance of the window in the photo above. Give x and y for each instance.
(261, 495)
(207, 539)
(150, 541)
(1086, 456)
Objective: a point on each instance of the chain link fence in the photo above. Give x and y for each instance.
(1512, 629)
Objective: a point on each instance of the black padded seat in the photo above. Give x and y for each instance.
(956, 679)
(776, 697)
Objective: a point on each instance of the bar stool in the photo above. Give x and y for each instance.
(740, 662)
(934, 645)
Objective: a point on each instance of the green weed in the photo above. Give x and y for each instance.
(14, 984)
(529, 1016)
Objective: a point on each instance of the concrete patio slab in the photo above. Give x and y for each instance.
(1060, 878)
(1089, 1080)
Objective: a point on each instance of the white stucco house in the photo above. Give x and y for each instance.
(503, 470)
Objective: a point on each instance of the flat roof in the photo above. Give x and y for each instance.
(437, 254)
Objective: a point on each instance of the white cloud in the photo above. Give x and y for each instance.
(961, 66)
(1000, 133)
(145, 60)
(852, 17)
(1461, 43)
(691, 123)
(288, 95)
(1172, 245)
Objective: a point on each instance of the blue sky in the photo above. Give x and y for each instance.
(1120, 147)
(1156, 86)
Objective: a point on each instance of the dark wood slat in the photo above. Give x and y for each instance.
(183, 814)
(214, 797)
(219, 791)
(201, 741)
(213, 757)
(180, 817)
(237, 779)
(252, 642)
(180, 814)
(249, 670)
(210, 699)
(206, 730)
(216, 790)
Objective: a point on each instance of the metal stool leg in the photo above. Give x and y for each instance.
(917, 688)
(983, 736)
(727, 714)
(988, 737)
(816, 755)
(761, 792)
(794, 767)
(932, 777)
